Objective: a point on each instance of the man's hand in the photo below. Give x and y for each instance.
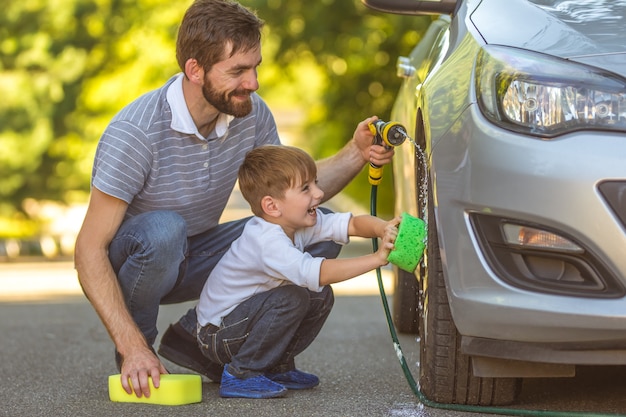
(136, 367)
(334, 173)
(377, 154)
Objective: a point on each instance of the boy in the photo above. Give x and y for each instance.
(267, 299)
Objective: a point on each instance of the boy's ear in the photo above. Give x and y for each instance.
(270, 206)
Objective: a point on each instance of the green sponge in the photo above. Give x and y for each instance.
(409, 244)
(174, 389)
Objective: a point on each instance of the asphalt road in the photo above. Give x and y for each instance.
(56, 359)
(56, 356)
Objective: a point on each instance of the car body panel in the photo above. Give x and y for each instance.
(571, 30)
(615, 63)
(477, 167)
(422, 59)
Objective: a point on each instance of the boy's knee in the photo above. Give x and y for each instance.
(323, 300)
(292, 297)
(328, 295)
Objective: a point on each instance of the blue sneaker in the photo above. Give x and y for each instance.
(256, 387)
(295, 379)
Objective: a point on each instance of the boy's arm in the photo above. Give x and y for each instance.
(367, 226)
(337, 270)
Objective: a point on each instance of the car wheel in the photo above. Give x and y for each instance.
(446, 373)
(405, 301)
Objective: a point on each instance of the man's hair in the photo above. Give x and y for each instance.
(209, 26)
(271, 170)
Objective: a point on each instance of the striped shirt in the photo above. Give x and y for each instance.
(146, 159)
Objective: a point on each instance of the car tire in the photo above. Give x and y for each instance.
(446, 373)
(405, 302)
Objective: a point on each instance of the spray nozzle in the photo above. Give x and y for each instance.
(388, 134)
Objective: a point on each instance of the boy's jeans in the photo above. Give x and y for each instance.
(156, 263)
(267, 331)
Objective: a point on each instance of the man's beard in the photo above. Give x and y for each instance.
(221, 101)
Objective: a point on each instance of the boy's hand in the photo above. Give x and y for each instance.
(387, 239)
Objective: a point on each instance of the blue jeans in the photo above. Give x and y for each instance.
(267, 331)
(157, 263)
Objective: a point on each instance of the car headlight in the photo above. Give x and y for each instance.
(540, 95)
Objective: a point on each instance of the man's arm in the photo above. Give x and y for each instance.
(99, 283)
(336, 172)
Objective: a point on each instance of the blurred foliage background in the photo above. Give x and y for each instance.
(67, 66)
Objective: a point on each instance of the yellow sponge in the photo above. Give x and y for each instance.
(174, 389)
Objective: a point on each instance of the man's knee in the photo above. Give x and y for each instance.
(327, 250)
(156, 237)
(166, 228)
(161, 229)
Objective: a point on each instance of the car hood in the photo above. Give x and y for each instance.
(587, 31)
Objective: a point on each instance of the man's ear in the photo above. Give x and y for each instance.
(194, 72)
(270, 206)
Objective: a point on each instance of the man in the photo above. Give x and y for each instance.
(163, 172)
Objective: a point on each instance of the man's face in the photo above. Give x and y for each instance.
(229, 83)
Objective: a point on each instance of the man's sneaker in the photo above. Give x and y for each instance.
(256, 387)
(180, 347)
(295, 379)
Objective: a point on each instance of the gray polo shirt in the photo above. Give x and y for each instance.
(152, 156)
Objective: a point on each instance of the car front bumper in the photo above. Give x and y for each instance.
(481, 170)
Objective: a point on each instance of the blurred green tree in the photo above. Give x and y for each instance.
(67, 66)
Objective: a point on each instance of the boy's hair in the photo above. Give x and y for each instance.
(209, 26)
(272, 169)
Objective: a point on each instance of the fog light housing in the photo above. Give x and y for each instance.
(541, 259)
(530, 237)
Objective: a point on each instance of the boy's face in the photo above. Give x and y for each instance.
(298, 207)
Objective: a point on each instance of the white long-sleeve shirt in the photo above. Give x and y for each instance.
(264, 257)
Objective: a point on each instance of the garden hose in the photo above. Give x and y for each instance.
(453, 407)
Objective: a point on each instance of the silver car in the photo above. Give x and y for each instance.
(519, 107)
